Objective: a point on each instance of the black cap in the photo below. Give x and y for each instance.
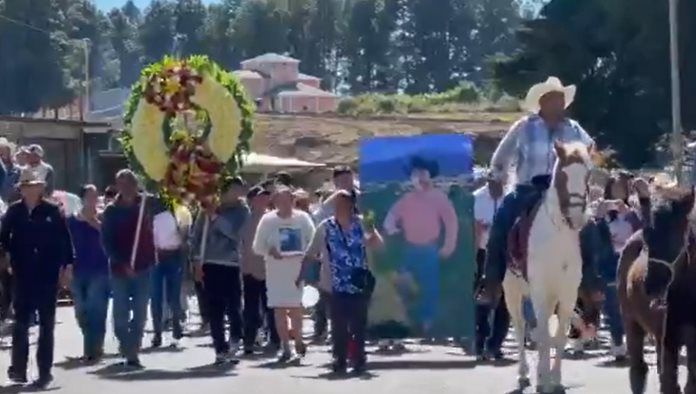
(341, 170)
(257, 191)
(230, 181)
(284, 178)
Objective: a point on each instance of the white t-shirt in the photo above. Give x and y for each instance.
(290, 236)
(484, 210)
(620, 230)
(166, 231)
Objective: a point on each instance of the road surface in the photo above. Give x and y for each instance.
(423, 369)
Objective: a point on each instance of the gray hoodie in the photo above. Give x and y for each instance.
(223, 236)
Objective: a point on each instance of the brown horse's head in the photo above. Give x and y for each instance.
(668, 238)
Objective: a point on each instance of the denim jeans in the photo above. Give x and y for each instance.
(131, 295)
(422, 262)
(613, 315)
(512, 206)
(167, 278)
(91, 297)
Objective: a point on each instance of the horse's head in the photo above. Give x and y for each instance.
(668, 238)
(570, 177)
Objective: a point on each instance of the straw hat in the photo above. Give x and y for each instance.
(5, 143)
(552, 84)
(29, 177)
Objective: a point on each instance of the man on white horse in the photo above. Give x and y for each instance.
(529, 144)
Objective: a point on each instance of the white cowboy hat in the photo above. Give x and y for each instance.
(4, 142)
(30, 177)
(552, 84)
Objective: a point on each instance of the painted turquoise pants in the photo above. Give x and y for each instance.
(422, 262)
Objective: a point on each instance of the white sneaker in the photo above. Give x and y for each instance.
(234, 347)
(618, 352)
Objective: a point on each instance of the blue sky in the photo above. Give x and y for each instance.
(109, 4)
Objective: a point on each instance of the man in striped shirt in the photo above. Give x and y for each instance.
(528, 145)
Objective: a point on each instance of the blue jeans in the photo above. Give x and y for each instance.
(167, 279)
(131, 294)
(422, 262)
(613, 315)
(91, 297)
(512, 206)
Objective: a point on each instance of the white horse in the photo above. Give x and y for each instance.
(554, 268)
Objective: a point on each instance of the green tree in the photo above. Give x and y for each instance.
(218, 33)
(617, 52)
(259, 28)
(123, 35)
(190, 17)
(33, 72)
(156, 33)
(366, 46)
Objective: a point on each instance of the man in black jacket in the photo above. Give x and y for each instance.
(35, 234)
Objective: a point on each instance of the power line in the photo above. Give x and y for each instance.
(19, 23)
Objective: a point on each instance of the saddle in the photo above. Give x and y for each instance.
(518, 241)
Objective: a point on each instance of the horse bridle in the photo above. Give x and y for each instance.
(670, 265)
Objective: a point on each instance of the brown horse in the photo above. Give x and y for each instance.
(656, 277)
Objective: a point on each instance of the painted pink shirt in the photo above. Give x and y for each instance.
(419, 213)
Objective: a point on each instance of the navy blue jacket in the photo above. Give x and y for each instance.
(38, 242)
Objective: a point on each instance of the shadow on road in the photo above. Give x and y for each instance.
(71, 363)
(162, 349)
(122, 373)
(333, 376)
(278, 365)
(26, 389)
(421, 364)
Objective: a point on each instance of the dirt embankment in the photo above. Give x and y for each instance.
(334, 139)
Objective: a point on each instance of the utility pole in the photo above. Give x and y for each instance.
(85, 46)
(677, 144)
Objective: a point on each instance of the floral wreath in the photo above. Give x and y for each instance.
(187, 126)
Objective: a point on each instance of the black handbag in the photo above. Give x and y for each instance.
(362, 278)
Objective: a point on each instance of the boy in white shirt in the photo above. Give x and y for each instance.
(281, 238)
(488, 339)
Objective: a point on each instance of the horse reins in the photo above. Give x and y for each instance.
(684, 252)
(662, 299)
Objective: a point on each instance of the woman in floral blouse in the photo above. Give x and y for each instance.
(341, 241)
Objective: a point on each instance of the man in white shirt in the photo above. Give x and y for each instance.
(488, 339)
(168, 275)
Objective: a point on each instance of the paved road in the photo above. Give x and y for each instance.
(423, 369)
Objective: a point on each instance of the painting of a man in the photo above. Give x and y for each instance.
(427, 221)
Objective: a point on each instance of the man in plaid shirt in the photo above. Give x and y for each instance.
(528, 145)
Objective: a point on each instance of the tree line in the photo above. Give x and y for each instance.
(616, 51)
(354, 46)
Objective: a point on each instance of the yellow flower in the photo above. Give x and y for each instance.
(147, 140)
(225, 117)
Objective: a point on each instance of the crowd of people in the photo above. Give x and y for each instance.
(249, 254)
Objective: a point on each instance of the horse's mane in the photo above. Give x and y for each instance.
(576, 151)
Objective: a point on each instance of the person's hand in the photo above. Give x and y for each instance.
(391, 230)
(211, 209)
(66, 275)
(622, 207)
(128, 270)
(597, 296)
(273, 252)
(299, 281)
(641, 187)
(198, 273)
(446, 251)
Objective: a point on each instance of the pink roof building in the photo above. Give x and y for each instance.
(277, 85)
